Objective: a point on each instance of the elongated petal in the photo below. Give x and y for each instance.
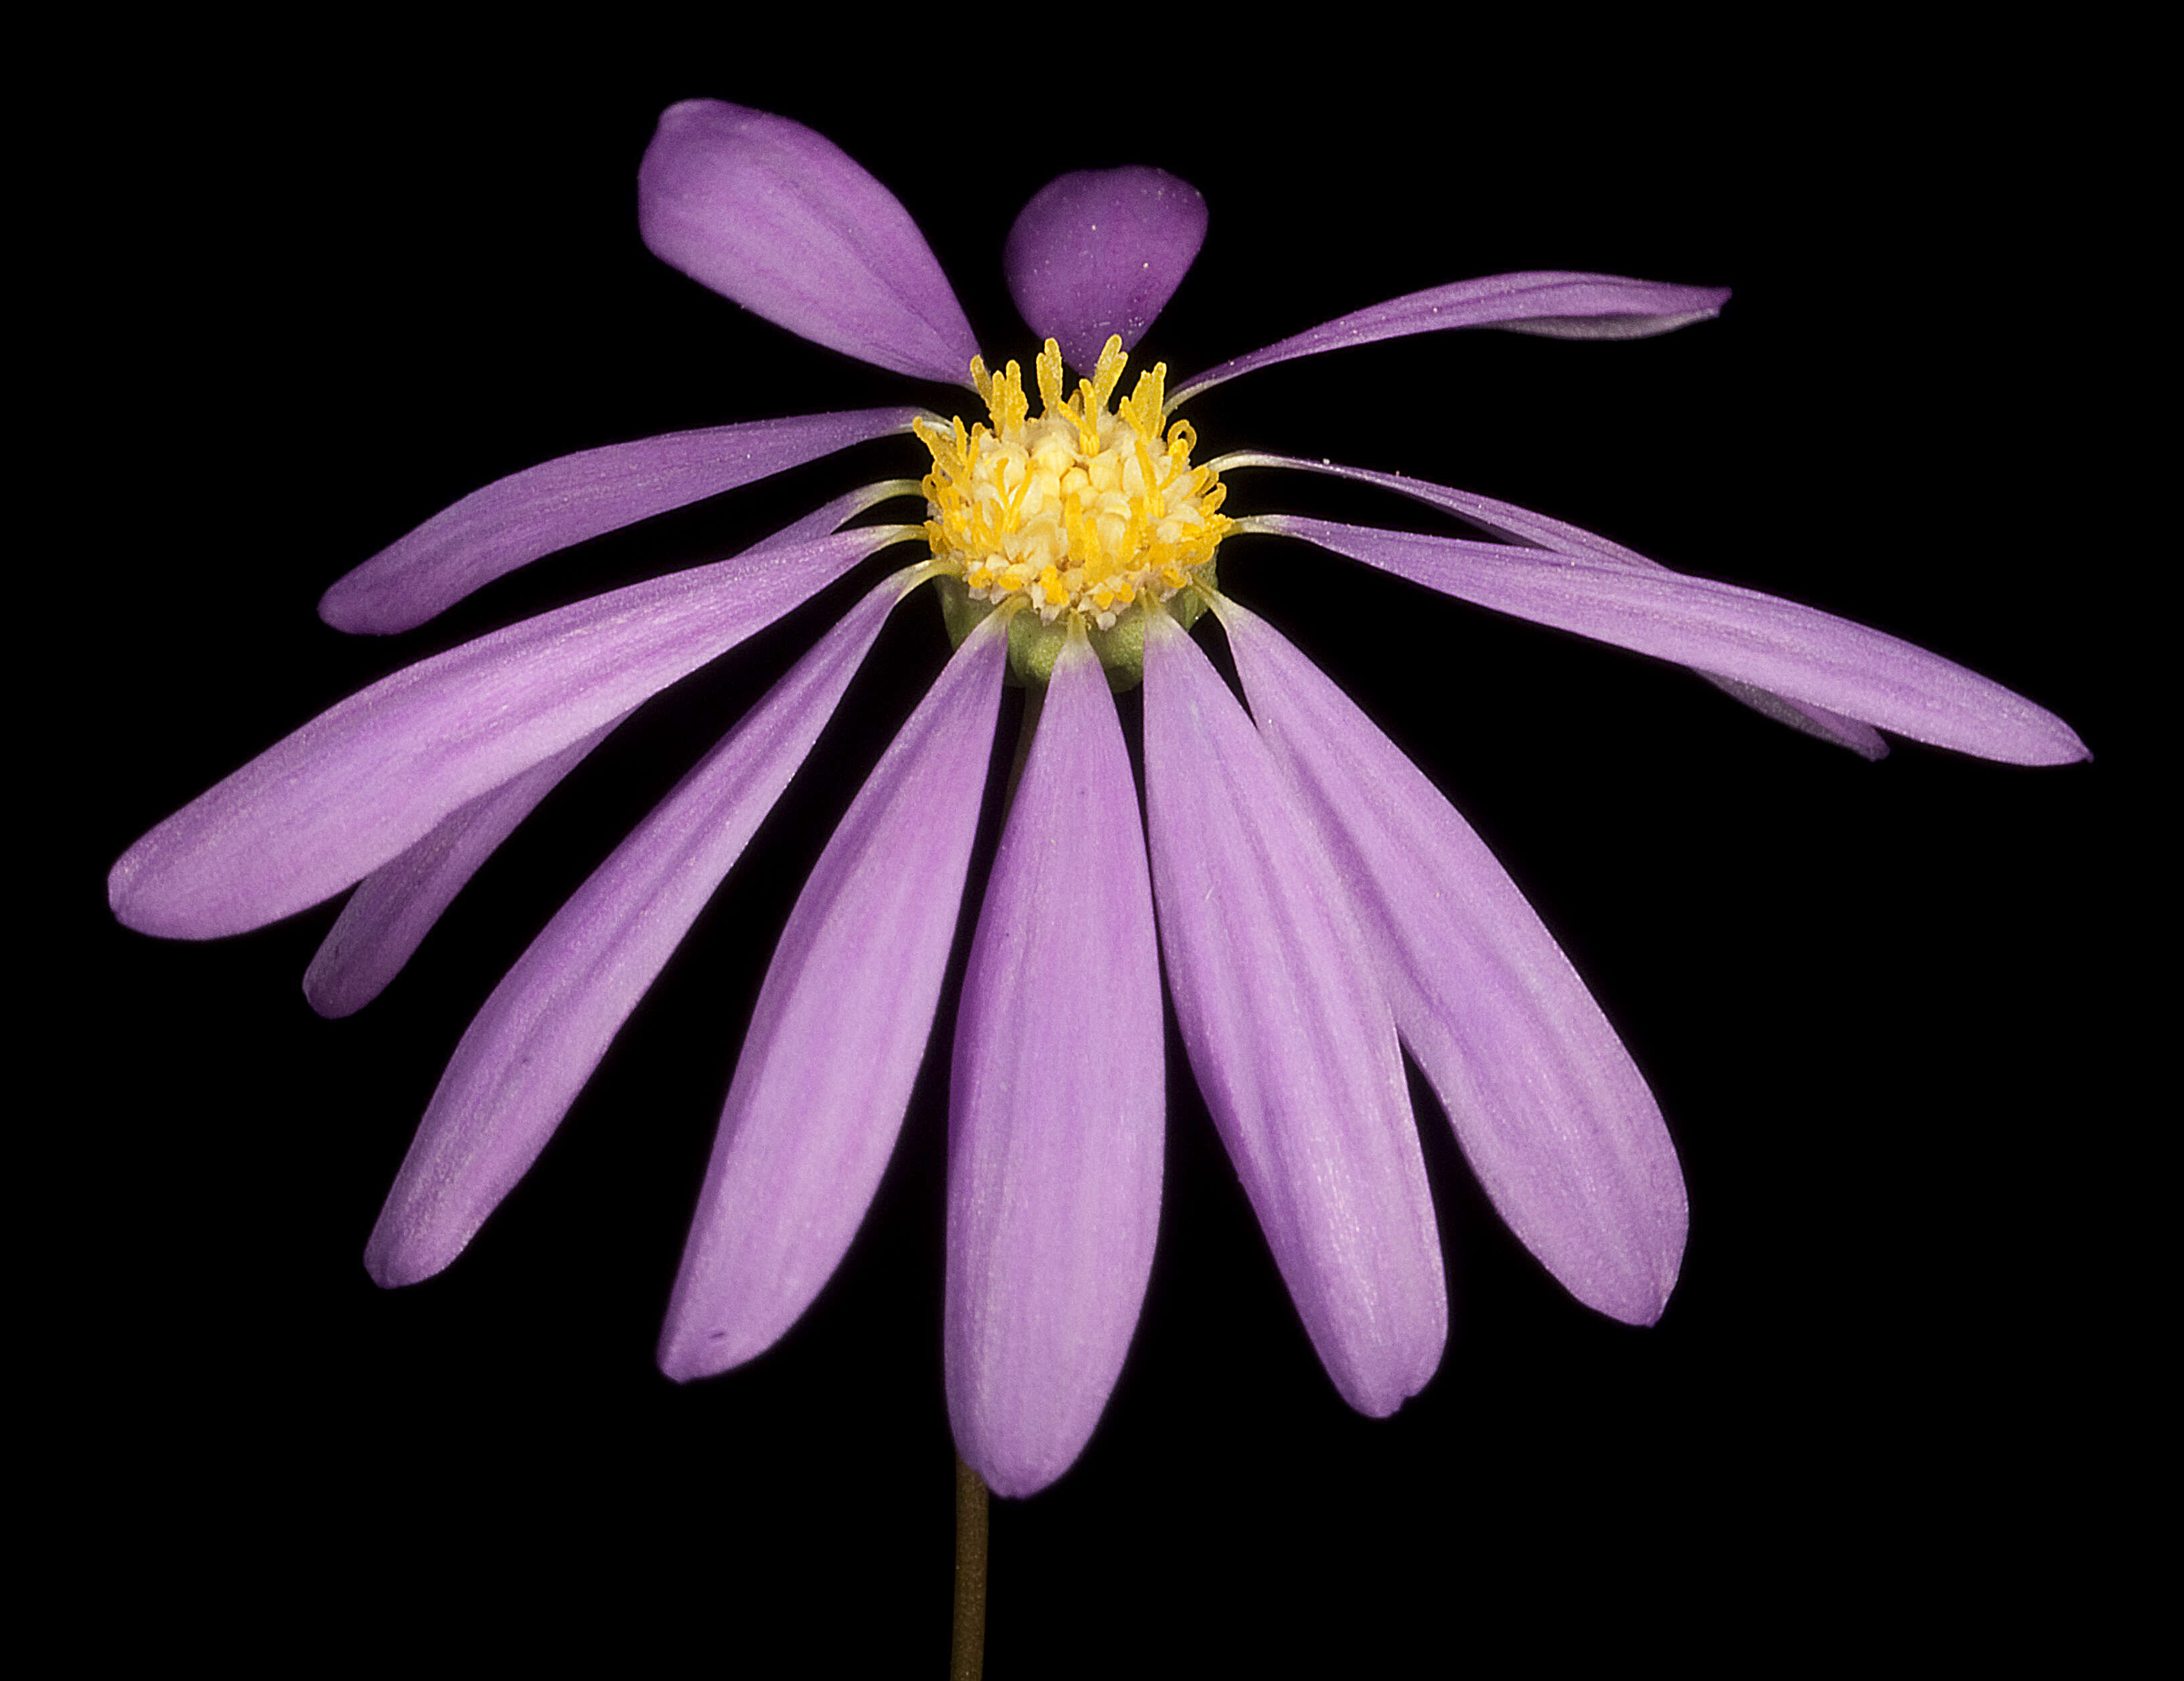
(785, 222)
(1099, 253)
(395, 905)
(1055, 1104)
(515, 520)
(358, 784)
(1290, 1035)
(538, 1037)
(1505, 519)
(1554, 304)
(1799, 652)
(1551, 1112)
(840, 1029)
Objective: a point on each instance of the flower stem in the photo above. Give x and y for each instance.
(967, 1659)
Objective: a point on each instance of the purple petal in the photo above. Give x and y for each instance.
(1798, 653)
(786, 223)
(395, 906)
(515, 520)
(1551, 1112)
(1098, 254)
(840, 1029)
(370, 777)
(538, 1037)
(1056, 1103)
(1554, 304)
(1505, 519)
(1290, 1035)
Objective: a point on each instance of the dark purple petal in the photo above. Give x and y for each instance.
(1290, 1035)
(1098, 254)
(839, 1029)
(1056, 1103)
(370, 777)
(1799, 652)
(538, 1037)
(1505, 519)
(785, 222)
(1554, 304)
(395, 905)
(515, 520)
(1552, 1113)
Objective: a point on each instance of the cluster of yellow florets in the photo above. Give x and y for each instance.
(1079, 511)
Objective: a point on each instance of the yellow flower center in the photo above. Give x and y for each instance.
(1080, 511)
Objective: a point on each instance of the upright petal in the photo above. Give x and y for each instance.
(1056, 1103)
(1290, 1035)
(840, 1027)
(395, 905)
(536, 1042)
(1505, 519)
(785, 222)
(1552, 1113)
(1798, 653)
(1552, 304)
(369, 778)
(1098, 254)
(516, 520)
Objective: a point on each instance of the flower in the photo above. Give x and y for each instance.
(1316, 897)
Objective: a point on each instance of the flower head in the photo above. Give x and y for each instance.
(1316, 901)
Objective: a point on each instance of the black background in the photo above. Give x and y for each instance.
(1873, 1000)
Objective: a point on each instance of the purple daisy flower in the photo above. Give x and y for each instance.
(1315, 900)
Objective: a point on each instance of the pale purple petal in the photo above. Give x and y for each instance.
(395, 905)
(538, 1037)
(1290, 1035)
(1551, 1112)
(1554, 304)
(1098, 254)
(1056, 1103)
(839, 1029)
(785, 222)
(515, 520)
(1505, 519)
(1799, 652)
(373, 776)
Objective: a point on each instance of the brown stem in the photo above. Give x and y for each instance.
(967, 1661)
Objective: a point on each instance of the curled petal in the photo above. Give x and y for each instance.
(1505, 519)
(1056, 1103)
(1290, 1035)
(1099, 253)
(840, 1029)
(787, 224)
(515, 520)
(1798, 653)
(1551, 1112)
(1555, 305)
(373, 776)
(540, 1035)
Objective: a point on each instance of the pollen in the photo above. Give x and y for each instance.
(1084, 511)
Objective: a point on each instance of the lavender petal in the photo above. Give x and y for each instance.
(537, 1039)
(1506, 520)
(840, 1027)
(373, 776)
(1798, 653)
(1099, 253)
(1290, 1035)
(515, 520)
(783, 220)
(1055, 1104)
(1552, 304)
(1551, 1112)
